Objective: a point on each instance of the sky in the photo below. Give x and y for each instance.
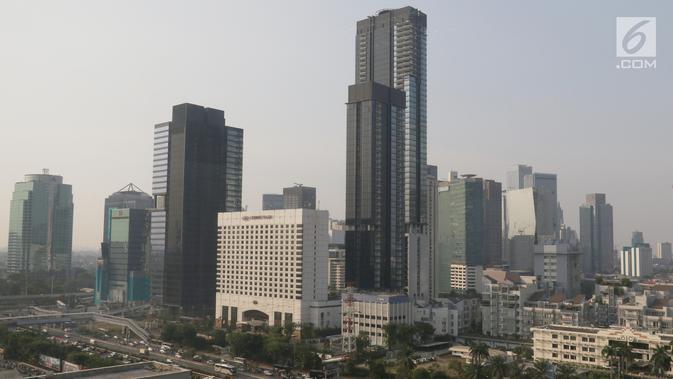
(83, 82)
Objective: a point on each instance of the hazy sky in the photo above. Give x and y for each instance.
(83, 82)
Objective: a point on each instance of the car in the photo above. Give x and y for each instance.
(268, 372)
(169, 361)
(178, 356)
(210, 362)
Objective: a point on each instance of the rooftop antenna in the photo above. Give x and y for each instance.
(45, 171)
(131, 188)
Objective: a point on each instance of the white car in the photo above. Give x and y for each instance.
(268, 372)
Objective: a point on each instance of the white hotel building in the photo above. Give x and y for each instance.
(272, 268)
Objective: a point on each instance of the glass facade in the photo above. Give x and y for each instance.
(205, 163)
(40, 225)
(158, 214)
(299, 197)
(128, 197)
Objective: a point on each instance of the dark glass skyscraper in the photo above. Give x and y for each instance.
(375, 187)
(492, 223)
(390, 64)
(390, 49)
(596, 235)
(130, 197)
(205, 164)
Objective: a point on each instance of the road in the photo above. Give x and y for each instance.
(199, 367)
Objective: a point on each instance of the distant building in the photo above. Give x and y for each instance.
(299, 197)
(125, 260)
(460, 238)
(272, 283)
(272, 201)
(369, 313)
(129, 197)
(637, 238)
(422, 245)
(337, 269)
(556, 309)
(515, 179)
(596, 234)
(504, 295)
(464, 278)
(159, 211)
(559, 267)
(664, 252)
(636, 261)
(204, 177)
(492, 223)
(40, 225)
(337, 232)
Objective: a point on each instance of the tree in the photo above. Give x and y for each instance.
(539, 370)
(618, 353)
(474, 371)
(420, 373)
(660, 362)
(361, 344)
(497, 367)
(377, 370)
(220, 338)
(405, 364)
(515, 368)
(523, 353)
(438, 375)
(564, 371)
(478, 353)
(424, 331)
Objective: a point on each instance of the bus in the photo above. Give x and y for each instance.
(224, 368)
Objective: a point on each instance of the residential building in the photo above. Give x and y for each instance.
(129, 197)
(369, 313)
(583, 346)
(336, 278)
(464, 278)
(460, 237)
(125, 257)
(636, 261)
(504, 295)
(337, 232)
(271, 266)
(272, 201)
(596, 234)
(556, 309)
(204, 178)
(40, 225)
(664, 252)
(299, 197)
(375, 235)
(451, 316)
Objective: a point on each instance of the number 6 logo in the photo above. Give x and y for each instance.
(636, 37)
(634, 33)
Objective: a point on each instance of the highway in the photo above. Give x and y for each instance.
(199, 367)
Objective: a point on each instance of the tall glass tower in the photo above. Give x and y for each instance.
(40, 224)
(391, 50)
(204, 168)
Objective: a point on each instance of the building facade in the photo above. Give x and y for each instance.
(271, 266)
(375, 240)
(636, 261)
(492, 223)
(337, 269)
(204, 178)
(299, 197)
(40, 225)
(451, 316)
(369, 313)
(559, 268)
(272, 201)
(596, 234)
(504, 295)
(159, 210)
(664, 252)
(129, 197)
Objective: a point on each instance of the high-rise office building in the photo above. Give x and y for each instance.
(123, 276)
(204, 178)
(422, 246)
(515, 179)
(375, 243)
(391, 50)
(492, 223)
(664, 252)
(130, 197)
(636, 261)
(596, 235)
(158, 212)
(40, 224)
(299, 197)
(460, 236)
(272, 201)
(637, 238)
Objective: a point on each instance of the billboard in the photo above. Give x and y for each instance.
(50, 362)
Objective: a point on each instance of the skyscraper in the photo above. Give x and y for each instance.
(158, 212)
(375, 187)
(637, 238)
(596, 235)
(515, 179)
(492, 223)
(40, 224)
(299, 197)
(391, 52)
(204, 177)
(461, 227)
(130, 197)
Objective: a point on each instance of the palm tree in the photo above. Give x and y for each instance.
(625, 356)
(539, 370)
(497, 367)
(660, 361)
(474, 371)
(515, 368)
(609, 353)
(478, 353)
(565, 372)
